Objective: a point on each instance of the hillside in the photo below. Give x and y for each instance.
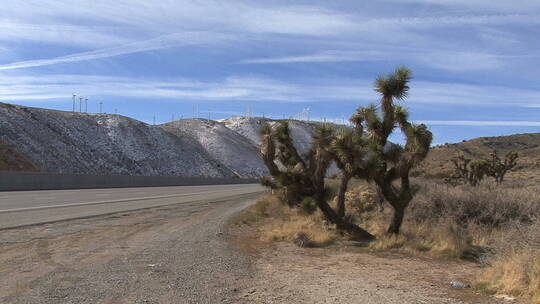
(66, 142)
(231, 149)
(527, 145)
(11, 160)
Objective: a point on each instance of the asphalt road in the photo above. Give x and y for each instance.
(21, 208)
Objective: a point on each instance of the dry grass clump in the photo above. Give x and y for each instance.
(287, 228)
(514, 268)
(278, 222)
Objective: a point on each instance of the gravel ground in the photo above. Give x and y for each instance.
(288, 274)
(174, 254)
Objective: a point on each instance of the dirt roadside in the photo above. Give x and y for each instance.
(285, 273)
(172, 254)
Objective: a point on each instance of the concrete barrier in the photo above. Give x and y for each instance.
(12, 181)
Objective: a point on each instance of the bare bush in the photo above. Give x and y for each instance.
(489, 206)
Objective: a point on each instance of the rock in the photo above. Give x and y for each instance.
(458, 284)
(301, 239)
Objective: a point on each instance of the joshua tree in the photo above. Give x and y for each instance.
(498, 168)
(347, 148)
(468, 171)
(299, 177)
(386, 163)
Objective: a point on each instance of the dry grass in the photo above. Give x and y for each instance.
(516, 274)
(278, 222)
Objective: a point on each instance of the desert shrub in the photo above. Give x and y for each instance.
(360, 201)
(490, 206)
(308, 206)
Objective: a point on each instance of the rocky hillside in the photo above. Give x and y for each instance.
(231, 149)
(66, 142)
(437, 163)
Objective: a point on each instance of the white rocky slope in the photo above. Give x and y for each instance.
(249, 127)
(66, 142)
(231, 149)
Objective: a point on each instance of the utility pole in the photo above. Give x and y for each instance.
(86, 105)
(74, 96)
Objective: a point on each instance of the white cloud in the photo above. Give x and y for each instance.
(161, 42)
(325, 56)
(438, 59)
(481, 123)
(525, 6)
(256, 89)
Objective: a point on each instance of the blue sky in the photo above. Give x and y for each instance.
(475, 62)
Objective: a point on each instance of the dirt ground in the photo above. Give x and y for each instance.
(186, 254)
(344, 273)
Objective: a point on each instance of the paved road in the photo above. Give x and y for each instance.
(21, 208)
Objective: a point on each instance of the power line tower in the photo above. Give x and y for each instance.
(80, 104)
(86, 105)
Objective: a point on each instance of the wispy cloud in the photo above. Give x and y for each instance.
(325, 56)
(481, 123)
(158, 43)
(482, 5)
(438, 59)
(256, 89)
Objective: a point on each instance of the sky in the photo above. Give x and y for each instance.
(475, 63)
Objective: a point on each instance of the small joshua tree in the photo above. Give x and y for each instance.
(298, 177)
(386, 163)
(468, 171)
(498, 168)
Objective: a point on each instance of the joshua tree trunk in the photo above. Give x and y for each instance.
(397, 218)
(340, 223)
(399, 199)
(341, 195)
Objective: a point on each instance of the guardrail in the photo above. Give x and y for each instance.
(13, 181)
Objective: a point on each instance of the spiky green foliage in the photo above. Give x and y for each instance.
(498, 168)
(386, 163)
(297, 177)
(348, 149)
